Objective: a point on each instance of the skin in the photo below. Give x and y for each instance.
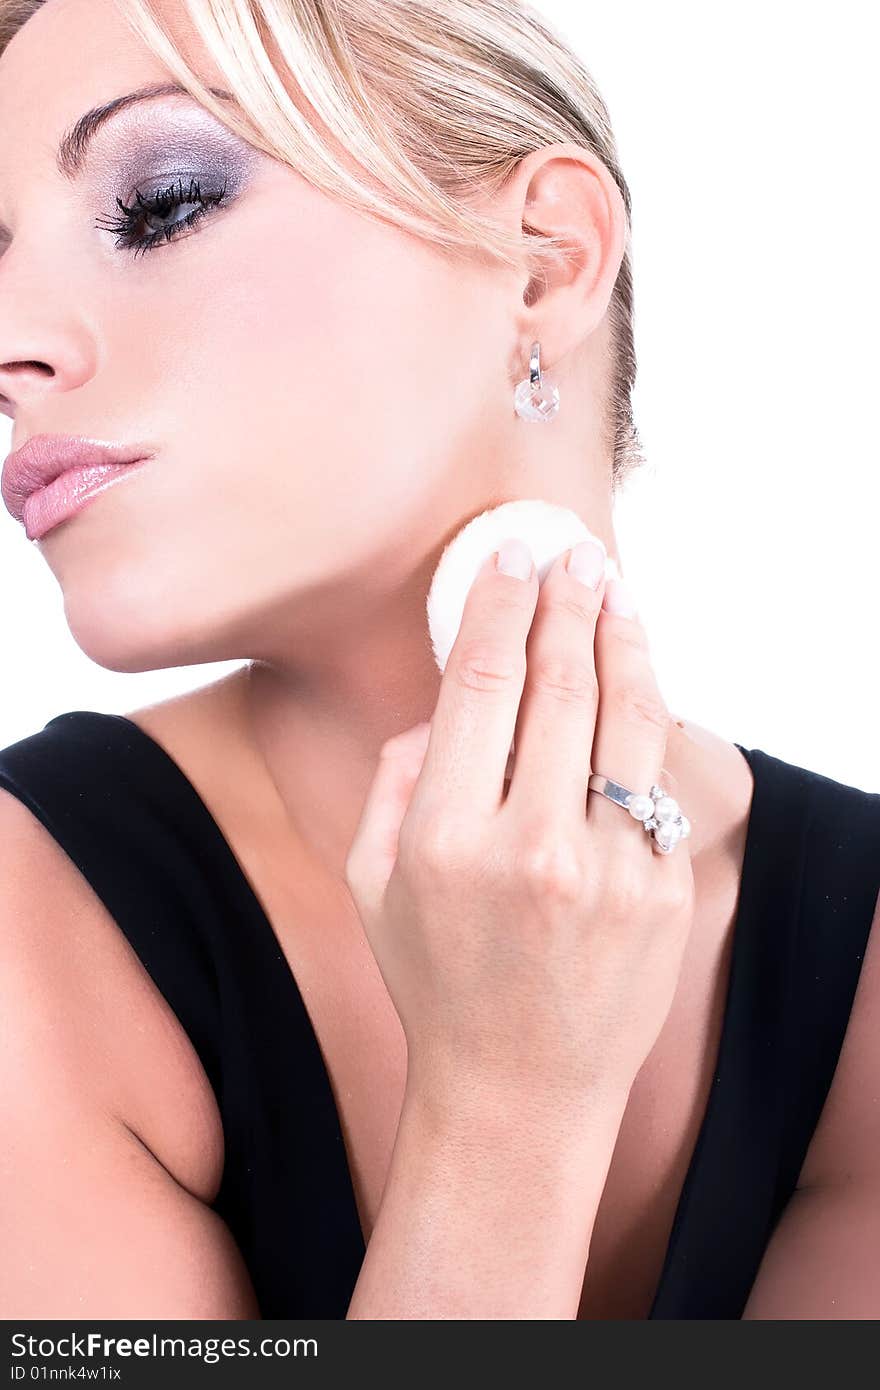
(330, 401)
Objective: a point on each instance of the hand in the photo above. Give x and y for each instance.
(531, 943)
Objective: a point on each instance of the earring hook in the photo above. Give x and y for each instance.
(535, 377)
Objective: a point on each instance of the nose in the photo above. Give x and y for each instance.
(46, 344)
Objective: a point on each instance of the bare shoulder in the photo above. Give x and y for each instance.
(113, 1035)
(722, 761)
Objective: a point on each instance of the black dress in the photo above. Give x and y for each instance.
(136, 828)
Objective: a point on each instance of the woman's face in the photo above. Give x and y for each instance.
(322, 391)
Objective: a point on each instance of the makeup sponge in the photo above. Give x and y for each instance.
(547, 528)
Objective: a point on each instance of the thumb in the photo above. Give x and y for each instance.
(373, 851)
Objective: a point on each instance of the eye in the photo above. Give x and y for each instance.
(160, 206)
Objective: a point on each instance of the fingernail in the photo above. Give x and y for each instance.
(586, 562)
(618, 599)
(515, 557)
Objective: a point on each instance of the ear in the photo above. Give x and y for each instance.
(565, 190)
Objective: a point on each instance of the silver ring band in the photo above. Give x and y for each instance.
(660, 814)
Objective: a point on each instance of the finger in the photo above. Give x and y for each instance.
(474, 720)
(629, 745)
(557, 713)
(373, 851)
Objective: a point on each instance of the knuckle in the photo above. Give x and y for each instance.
(551, 868)
(435, 846)
(624, 894)
(514, 599)
(565, 675)
(578, 601)
(407, 842)
(393, 745)
(630, 634)
(486, 665)
(637, 895)
(678, 896)
(639, 702)
(351, 871)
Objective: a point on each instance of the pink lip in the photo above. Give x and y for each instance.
(32, 471)
(69, 493)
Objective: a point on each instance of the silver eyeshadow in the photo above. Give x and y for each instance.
(151, 151)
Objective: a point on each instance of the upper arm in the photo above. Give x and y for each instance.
(92, 1223)
(823, 1259)
(94, 1226)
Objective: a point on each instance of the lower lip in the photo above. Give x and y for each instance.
(69, 493)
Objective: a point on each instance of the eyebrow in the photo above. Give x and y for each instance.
(75, 142)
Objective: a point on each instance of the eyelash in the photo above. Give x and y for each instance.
(160, 205)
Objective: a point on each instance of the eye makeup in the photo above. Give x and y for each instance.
(154, 210)
(143, 173)
(172, 131)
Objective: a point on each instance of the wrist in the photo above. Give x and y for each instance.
(480, 1110)
(489, 1203)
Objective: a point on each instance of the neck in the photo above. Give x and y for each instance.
(316, 725)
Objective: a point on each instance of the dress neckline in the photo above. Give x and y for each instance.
(737, 981)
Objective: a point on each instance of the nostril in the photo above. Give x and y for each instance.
(7, 369)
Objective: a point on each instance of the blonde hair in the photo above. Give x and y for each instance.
(409, 110)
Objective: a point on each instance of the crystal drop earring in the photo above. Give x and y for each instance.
(537, 395)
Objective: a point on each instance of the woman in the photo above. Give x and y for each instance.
(283, 976)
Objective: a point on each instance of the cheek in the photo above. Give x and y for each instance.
(335, 363)
(313, 402)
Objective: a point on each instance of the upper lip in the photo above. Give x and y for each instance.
(44, 457)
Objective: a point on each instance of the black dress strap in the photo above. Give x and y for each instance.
(810, 880)
(838, 900)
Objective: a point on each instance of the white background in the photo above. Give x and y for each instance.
(748, 137)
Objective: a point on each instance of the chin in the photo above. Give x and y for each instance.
(133, 635)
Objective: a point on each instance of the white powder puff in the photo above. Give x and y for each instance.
(547, 529)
